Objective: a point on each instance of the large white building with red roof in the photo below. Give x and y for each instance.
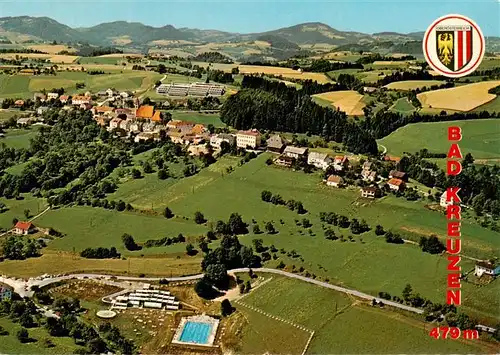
(250, 138)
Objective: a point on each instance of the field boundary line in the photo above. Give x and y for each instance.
(298, 326)
(255, 288)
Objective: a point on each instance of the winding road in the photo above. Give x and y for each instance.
(22, 287)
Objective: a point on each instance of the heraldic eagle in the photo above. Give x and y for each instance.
(445, 47)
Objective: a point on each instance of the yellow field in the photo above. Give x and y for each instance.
(60, 263)
(53, 58)
(319, 77)
(120, 55)
(37, 84)
(461, 98)
(412, 84)
(52, 49)
(348, 101)
(123, 40)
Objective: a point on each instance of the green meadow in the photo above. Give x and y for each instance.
(403, 106)
(343, 326)
(19, 138)
(481, 138)
(198, 117)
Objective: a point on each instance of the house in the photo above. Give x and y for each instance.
(149, 126)
(102, 120)
(217, 139)
(125, 125)
(64, 98)
(102, 93)
(24, 228)
(284, 160)
(111, 92)
(52, 95)
(392, 158)
(24, 121)
(144, 136)
(5, 293)
(276, 144)
(369, 89)
(136, 126)
(319, 160)
(488, 268)
(126, 94)
(41, 110)
(250, 138)
(398, 175)
(81, 99)
(39, 96)
(369, 175)
(340, 162)
(334, 180)
(443, 202)
(295, 152)
(145, 112)
(396, 184)
(115, 123)
(370, 192)
(19, 103)
(176, 137)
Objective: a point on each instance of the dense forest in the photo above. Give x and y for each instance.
(263, 104)
(212, 57)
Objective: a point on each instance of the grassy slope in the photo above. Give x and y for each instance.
(344, 327)
(481, 138)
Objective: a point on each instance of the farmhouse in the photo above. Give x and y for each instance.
(340, 162)
(19, 103)
(398, 175)
(334, 180)
(284, 160)
(319, 160)
(295, 152)
(24, 228)
(216, 140)
(111, 92)
(370, 192)
(396, 184)
(53, 95)
(24, 121)
(64, 98)
(486, 268)
(443, 202)
(275, 144)
(250, 138)
(126, 94)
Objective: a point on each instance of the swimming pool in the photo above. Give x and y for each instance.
(196, 332)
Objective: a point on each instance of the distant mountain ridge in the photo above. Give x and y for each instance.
(135, 34)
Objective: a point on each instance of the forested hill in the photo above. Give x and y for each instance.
(263, 104)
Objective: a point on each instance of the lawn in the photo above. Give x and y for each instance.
(19, 138)
(14, 86)
(481, 138)
(492, 106)
(16, 208)
(10, 345)
(412, 84)
(403, 106)
(198, 117)
(341, 325)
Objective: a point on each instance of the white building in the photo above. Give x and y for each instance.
(216, 140)
(334, 180)
(319, 160)
(486, 268)
(295, 152)
(250, 138)
(443, 201)
(52, 95)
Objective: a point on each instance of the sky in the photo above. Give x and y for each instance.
(368, 16)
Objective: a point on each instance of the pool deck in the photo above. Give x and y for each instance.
(214, 323)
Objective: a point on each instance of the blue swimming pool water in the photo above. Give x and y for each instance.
(195, 332)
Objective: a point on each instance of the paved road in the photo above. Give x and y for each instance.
(20, 285)
(385, 149)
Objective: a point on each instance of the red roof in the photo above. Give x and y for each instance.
(395, 182)
(25, 226)
(145, 111)
(335, 178)
(252, 132)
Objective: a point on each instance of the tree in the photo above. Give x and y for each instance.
(199, 218)
(217, 274)
(129, 242)
(27, 213)
(248, 286)
(167, 213)
(256, 229)
(204, 288)
(236, 224)
(23, 335)
(270, 228)
(136, 174)
(379, 230)
(257, 244)
(162, 174)
(242, 288)
(266, 196)
(190, 250)
(226, 308)
(407, 291)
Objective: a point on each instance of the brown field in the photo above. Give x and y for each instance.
(121, 40)
(53, 58)
(348, 101)
(461, 98)
(167, 42)
(262, 44)
(60, 263)
(412, 84)
(52, 49)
